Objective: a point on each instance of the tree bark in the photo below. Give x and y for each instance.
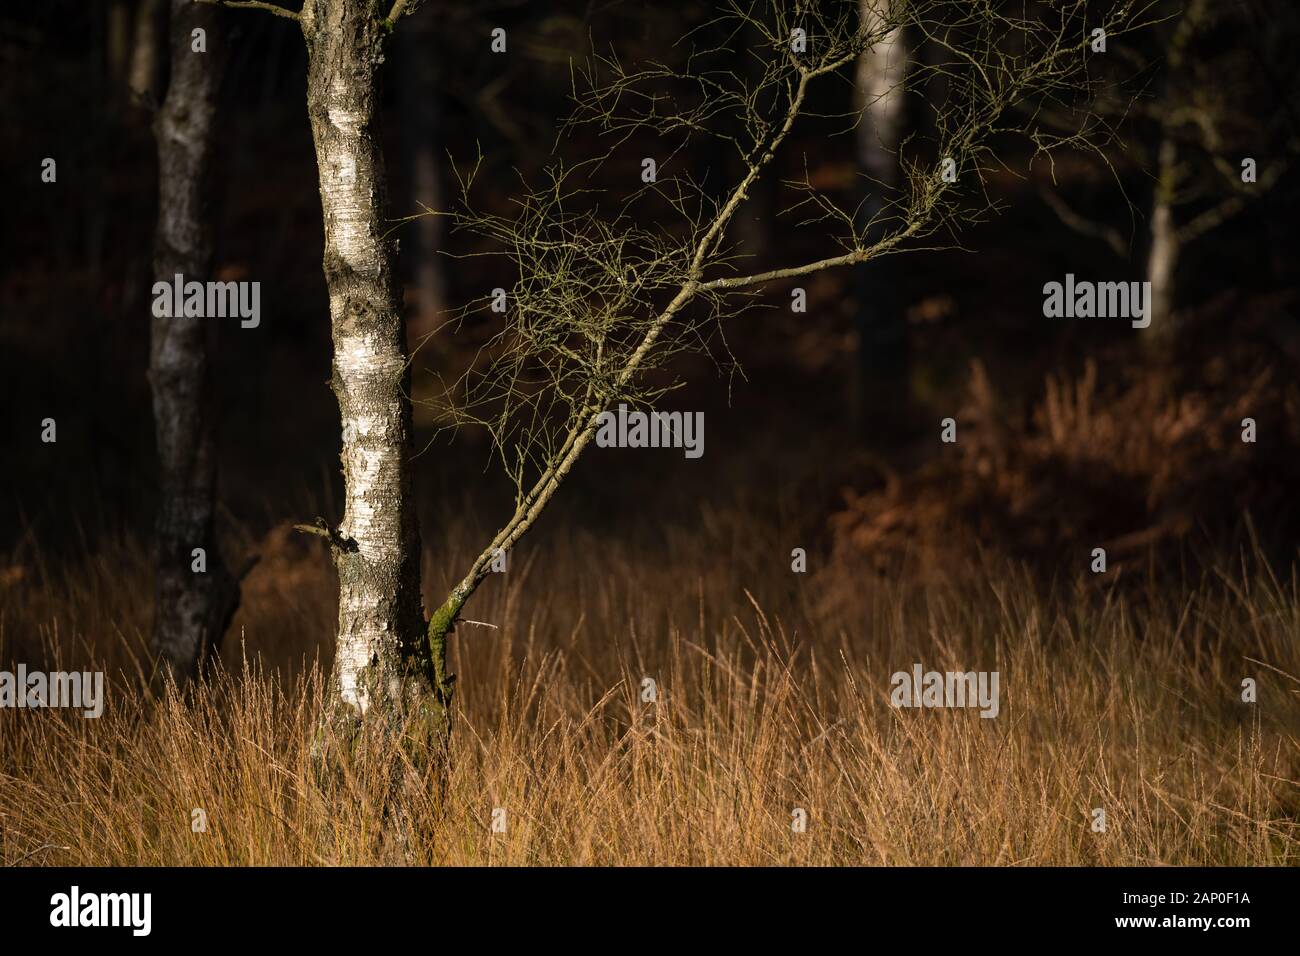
(193, 608)
(382, 658)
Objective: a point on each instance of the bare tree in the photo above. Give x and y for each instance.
(382, 658)
(380, 654)
(599, 297)
(196, 594)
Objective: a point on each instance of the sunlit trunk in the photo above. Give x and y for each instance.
(381, 654)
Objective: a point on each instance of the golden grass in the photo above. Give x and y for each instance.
(773, 694)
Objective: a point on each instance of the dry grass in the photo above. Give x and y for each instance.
(766, 703)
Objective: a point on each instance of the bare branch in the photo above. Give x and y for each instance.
(792, 272)
(1083, 225)
(255, 5)
(323, 529)
(600, 300)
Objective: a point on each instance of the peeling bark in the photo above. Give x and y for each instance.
(193, 609)
(382, 659)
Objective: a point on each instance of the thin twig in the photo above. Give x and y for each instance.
(255, 5)
(322, 529)
(46, 846)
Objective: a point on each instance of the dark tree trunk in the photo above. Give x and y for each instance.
(882, 393)
(193, 608)
(421, 109)
(1166, 242)
(118, 42)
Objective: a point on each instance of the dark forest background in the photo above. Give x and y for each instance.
(1073, 433)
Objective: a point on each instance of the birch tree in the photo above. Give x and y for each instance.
(382, 659)
(604, 288)
(196, 594)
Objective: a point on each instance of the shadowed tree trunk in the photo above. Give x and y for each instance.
(421, 106)
(1166, 240)
(382, 659)
(145, 49)
(193, 606)
(882, 390)
(118, 41)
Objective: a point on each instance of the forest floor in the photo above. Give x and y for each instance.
(768, 736)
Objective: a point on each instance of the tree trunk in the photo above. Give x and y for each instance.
(1162, 259)
(143, 78)
(382, 660)
(421, 122)
(1166, 242)
(882, 389)
(193, 607)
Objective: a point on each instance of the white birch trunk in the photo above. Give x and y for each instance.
(381, 654)
(880, 73)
